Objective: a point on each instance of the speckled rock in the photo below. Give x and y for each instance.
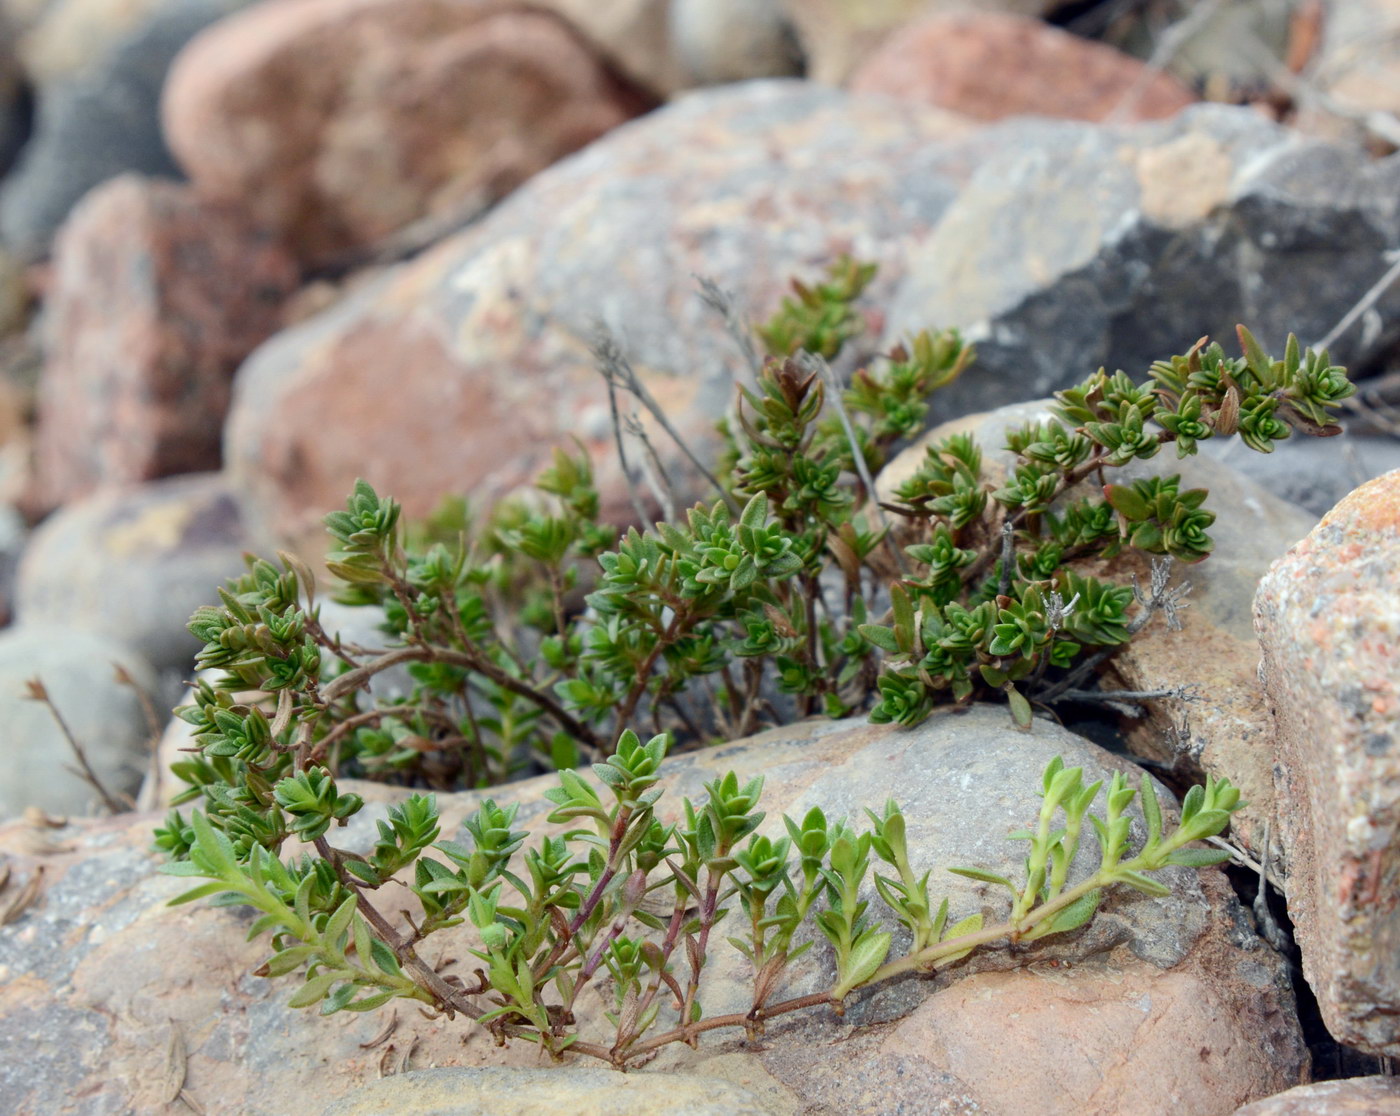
(1356, 1096)
(585, 1090)
(1091, 1017)
(133, 563)
(1215, 653)
(155, 299)
(990, 64)
(1084, 246)
(1328, 616)
(407, 110)
(475, 356)
(103, 121)
(106, 718)
(837, 34)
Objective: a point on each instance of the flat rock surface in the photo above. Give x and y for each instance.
(585, 1090)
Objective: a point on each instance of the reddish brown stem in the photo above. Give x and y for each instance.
(691, 1031)
(451, 998)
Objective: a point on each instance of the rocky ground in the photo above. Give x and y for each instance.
(250, 251)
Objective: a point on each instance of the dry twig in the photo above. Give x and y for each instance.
(24, 898)
(38, 692)
(617, 369)
(811, 362)
(722, 303)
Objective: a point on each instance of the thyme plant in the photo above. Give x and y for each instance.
(539, 637)
(568, 913)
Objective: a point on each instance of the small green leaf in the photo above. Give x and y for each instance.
(338, 922)
(1151, 811)
(755, 512)
(1198, 858)
(1191, 804)
(315, 989)
(1127, 501)
(883, 638)
(985, 877)
(563, 752)
(970, 925)
(285, 961)
(867, 955)
(197, 892)
(369, 1003)
(1253, 354)
(217, 848)
(1142, 883)
(363, 947)
(1020, 708)
(1075, 915)
(1208, 823)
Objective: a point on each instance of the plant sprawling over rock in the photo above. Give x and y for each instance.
(630, 898)
(540, 638)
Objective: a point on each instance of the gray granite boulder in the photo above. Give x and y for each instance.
(1056, 246)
